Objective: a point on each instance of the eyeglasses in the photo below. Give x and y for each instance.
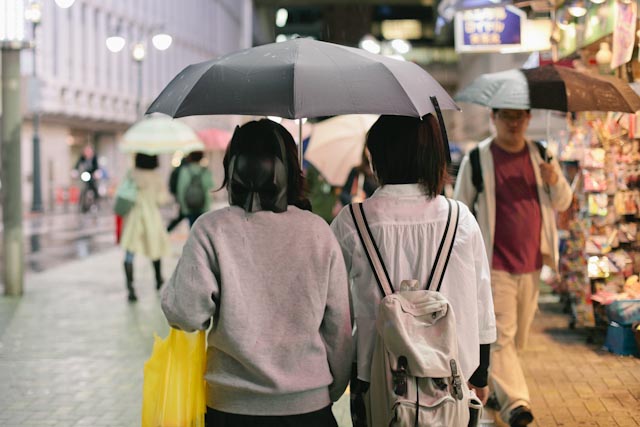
(511, 116)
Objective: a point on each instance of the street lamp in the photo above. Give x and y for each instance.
(33, 14)
(12, 40)
(65, 4)
(116, 43)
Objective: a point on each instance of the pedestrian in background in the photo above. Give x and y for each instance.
(270, 275)
(361, 182)
(407, 218)
(173, 189)
(521, 190)
(144, 232)
(195, 184)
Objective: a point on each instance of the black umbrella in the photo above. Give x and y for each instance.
(302, 78)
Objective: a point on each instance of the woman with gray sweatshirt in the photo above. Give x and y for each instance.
(269, 278)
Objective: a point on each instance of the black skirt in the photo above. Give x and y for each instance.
(320, 418)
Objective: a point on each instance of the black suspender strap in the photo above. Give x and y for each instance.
(373, 254)
(375, 260)
(446, 246)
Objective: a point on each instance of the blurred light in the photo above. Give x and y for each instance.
(138, 52)
(162, 41)
(177, 158)
(33, 13)
(408, 29)
(281, 17)
(115, 43)
(11, 20)
(65, 3)
(577, 9)
(597, 1)
(275, 119)
(594, 20)
(370, 44)
(281, 38)
(85, 176)
(401, 46)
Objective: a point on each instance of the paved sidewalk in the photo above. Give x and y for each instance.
(72, 348)
(72, 351)
(577, 384)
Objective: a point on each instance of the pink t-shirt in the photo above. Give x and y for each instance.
(516, 245)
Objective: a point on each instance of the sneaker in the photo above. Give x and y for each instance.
(520, 417)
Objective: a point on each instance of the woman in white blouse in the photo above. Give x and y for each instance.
(407, 217)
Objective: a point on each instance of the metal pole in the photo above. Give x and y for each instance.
(139, 96)
(12, 177)
(37, 180)
(300, 147)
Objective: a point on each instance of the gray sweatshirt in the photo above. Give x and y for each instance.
(275, 287)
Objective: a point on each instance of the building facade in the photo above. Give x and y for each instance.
(85, 94)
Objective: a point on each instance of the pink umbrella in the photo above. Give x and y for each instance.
(215, 139)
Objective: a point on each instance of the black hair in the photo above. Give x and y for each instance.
(145, 161)
(195, 156)
(263, 135)
(409, 150)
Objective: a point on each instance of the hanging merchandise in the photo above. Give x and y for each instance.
(600, 259)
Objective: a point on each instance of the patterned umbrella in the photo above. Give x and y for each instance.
(551, 87)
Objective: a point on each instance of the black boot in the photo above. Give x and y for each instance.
(128, 271)
(158, 270)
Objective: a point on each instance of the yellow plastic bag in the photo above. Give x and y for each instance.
(174, 391)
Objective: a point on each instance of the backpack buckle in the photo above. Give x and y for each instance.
(400, 377)
(457, 381)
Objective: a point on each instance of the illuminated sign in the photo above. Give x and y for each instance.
(490, 29)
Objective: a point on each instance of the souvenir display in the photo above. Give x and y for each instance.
(600, 253)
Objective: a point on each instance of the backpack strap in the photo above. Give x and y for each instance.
(375, 260)
(370, 248)
(446, 246)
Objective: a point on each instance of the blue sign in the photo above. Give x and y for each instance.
(489, 29)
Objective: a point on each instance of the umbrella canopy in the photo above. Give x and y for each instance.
(562, 88)
(551, 87)
(506, 89)
(158, 135)
(215, 139)
(336, 145)
(301, 78)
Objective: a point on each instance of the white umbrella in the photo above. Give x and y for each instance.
(505, 89)
(336, 145)
(157, 135)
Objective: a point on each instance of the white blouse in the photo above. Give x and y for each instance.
(407, 227)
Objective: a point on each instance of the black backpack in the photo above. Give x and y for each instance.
(173, 179)
(476, 170)
(194, 195)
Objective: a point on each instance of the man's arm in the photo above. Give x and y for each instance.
(559, 189)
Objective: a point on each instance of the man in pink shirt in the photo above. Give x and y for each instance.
(515, 211)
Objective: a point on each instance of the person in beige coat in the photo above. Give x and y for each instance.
(144, 231)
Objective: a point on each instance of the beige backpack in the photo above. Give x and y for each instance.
(415, 373)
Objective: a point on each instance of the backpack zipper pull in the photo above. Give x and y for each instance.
(457, 381)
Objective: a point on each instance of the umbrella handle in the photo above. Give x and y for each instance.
(443, 129)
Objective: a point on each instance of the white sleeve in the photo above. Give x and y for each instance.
(486, 313)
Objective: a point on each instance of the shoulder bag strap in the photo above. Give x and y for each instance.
(370, 248)
(446, 246)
